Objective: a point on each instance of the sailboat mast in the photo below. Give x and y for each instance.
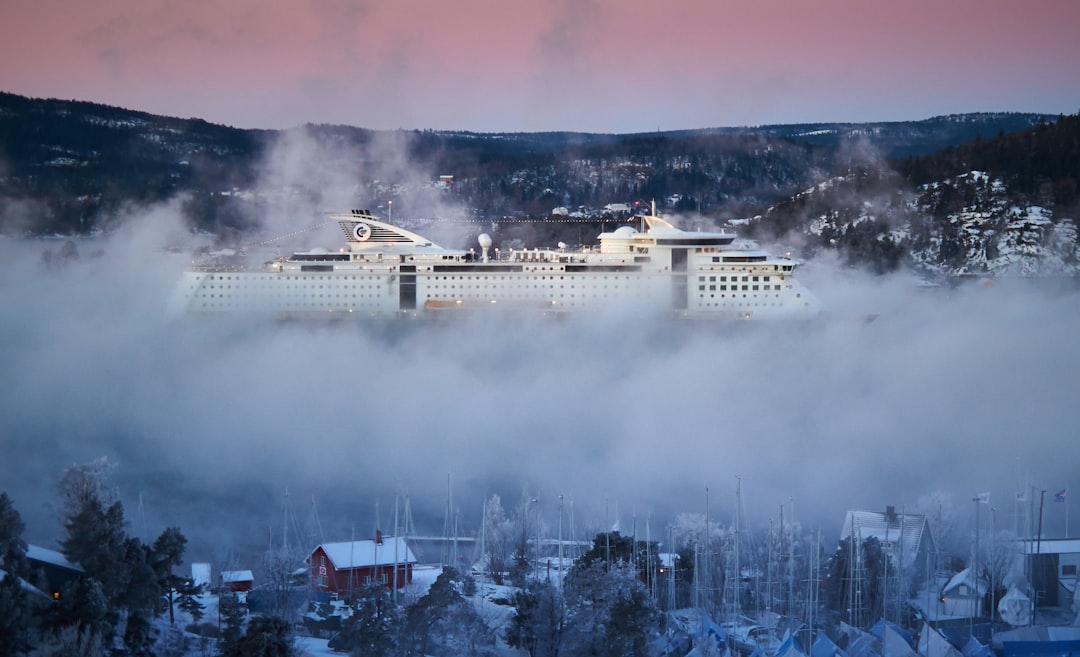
(738, 508)
(394, 584)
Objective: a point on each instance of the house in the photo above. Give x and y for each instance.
(236, 581)
(51, 569)
(341, 567)
(1053, 563)
(905, 537)
(964, 594)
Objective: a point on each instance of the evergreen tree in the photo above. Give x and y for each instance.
(266, 636)
(188, 598)
(15, 613)
(84, 607)
(614, 548)
(609, 612)
(168, 554)
(375, 626)
(231, 617)
(96, 541)
(12, 545)
(142, 592)
(854, 581)
(537, 625)
(15, 616)
(139, 636)
(443, 623)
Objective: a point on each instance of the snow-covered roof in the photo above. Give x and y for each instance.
(903, 529)
(26, 586)
(45, 555)
(668, 559)
(357, 554)
(965, 577)
(233, 576)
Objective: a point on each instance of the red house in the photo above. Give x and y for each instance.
(342, 567)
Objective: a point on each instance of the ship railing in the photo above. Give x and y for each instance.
(212, 268)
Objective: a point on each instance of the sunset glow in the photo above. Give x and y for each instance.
(596, 65)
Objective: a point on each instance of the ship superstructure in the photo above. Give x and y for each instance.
(386, 271)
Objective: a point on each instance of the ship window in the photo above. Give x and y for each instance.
(755, 279)
(1068, 569)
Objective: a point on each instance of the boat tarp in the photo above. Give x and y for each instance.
(1015, 608)
(878, 630)
(824, 647)
(934, 644)
(896, 644)
(975, 649)
(790, 648)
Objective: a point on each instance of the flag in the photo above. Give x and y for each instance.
(983, 498)
(1060, 497)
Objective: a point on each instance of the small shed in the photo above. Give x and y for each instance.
(200, 574)
(237, 581)
(963, 595)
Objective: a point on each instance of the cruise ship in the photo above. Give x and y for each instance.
(385, 271)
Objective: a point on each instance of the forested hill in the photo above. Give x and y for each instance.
(1006, 205)
(69, 167)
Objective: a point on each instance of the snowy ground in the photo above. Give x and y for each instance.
(312, 647)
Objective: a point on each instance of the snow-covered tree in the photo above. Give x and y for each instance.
(375, 626)
(609, 612)
(537, 625)
(83, 483)
(498, 534)
(444, 623)
(949, 522)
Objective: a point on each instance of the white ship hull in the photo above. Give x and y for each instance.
(388, 272)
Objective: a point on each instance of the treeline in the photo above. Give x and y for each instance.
(1042, 162)
(126, 586)
(71, 167)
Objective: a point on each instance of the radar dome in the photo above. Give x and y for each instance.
(485, 240)
(624, 231)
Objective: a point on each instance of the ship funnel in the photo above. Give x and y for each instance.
(485, 244)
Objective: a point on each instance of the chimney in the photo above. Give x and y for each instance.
(890, 513)
(378, 537)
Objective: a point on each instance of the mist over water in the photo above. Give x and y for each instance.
(949, 392)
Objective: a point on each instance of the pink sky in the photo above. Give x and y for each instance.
(528, 65)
